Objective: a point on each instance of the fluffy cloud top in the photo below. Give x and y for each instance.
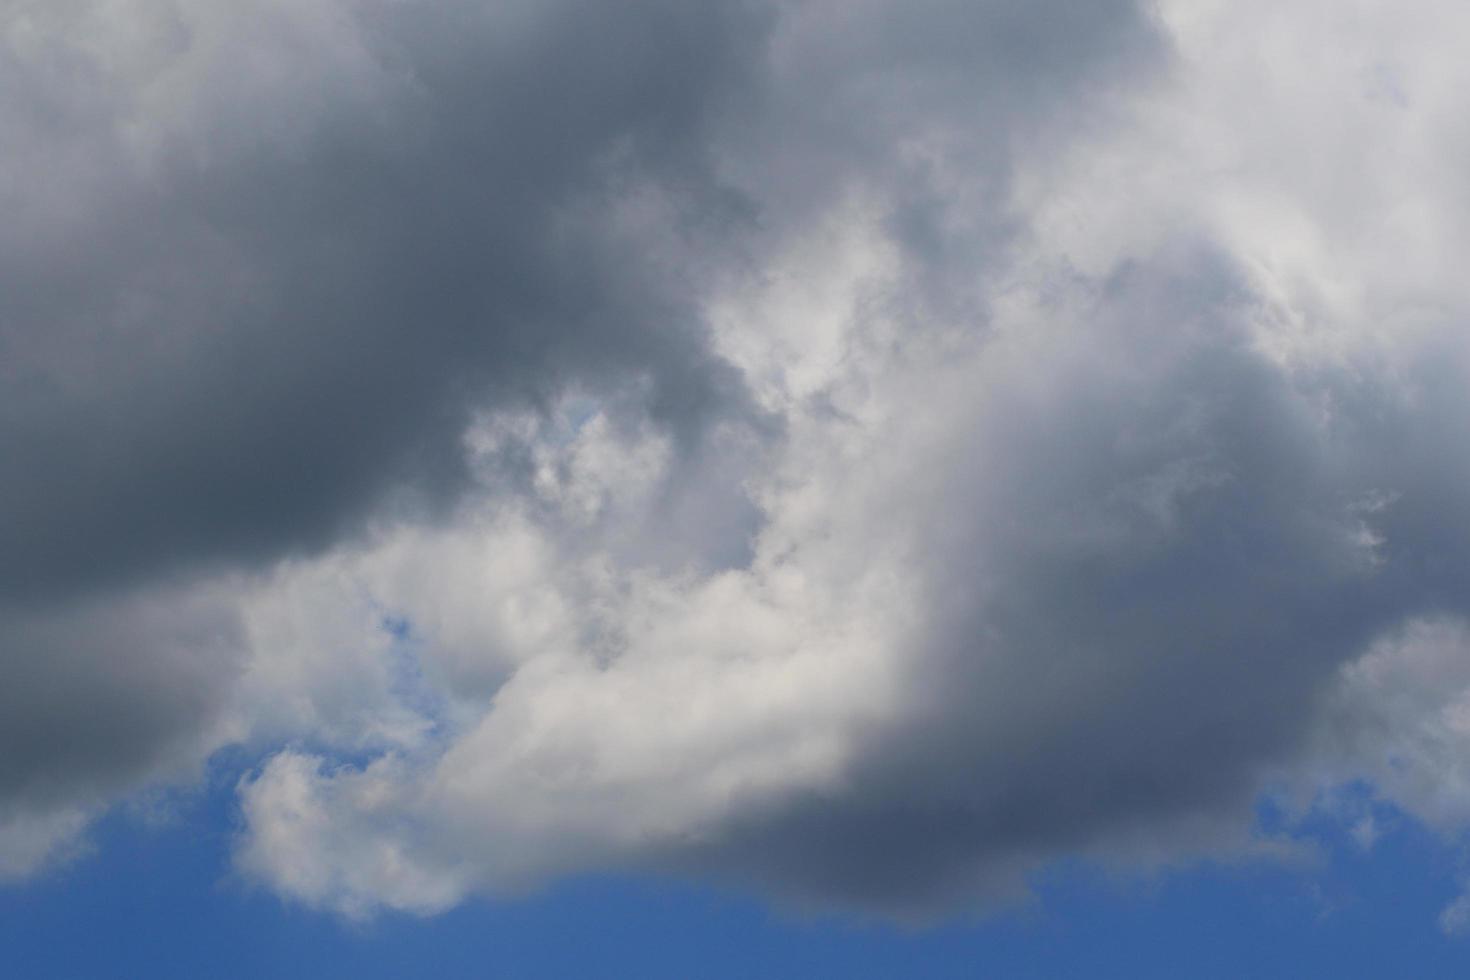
(863, 451)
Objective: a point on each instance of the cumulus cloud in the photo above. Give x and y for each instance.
(858, 451)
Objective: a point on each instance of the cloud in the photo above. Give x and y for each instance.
(996, 613)
(264, 261)
(857, 451)
(257, 288)
(102, 695)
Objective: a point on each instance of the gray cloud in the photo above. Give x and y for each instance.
(864, 451)
(99, 696)
(243, 338)
(263, 264)
(260, 265)
(1081, 591)
(1139, 575)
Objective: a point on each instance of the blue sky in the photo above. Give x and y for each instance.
(159, 900)
(657, 488)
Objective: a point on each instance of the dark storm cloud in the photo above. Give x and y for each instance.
(233, 349)
(230, 343)
(105, 694)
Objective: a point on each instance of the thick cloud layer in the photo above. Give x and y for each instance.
(861, 451)
(261, 257)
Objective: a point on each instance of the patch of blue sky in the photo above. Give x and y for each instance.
(157, 899)
(410, 685)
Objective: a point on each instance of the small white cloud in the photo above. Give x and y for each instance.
(1455, 919)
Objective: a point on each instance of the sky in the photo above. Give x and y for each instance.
(748, 488)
